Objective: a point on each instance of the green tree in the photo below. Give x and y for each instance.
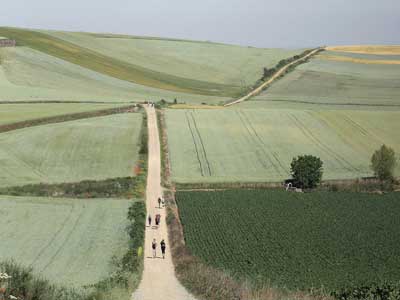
(307, 171)
(383, 162)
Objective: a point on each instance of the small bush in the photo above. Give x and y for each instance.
(383, 162)
(25, 285)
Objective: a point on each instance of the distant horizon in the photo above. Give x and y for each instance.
(172, 38)
(256, 23)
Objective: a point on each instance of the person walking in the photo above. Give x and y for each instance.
(149, 219)
(159, 202)
(158, 219)
(154, 247)
(162, 244)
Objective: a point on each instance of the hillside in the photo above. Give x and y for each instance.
(46, 64)
(341, 79)
(340, 106)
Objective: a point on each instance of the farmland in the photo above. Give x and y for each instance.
(368, 49)
(293, 240)
(339, 106)
(337, 80)
(95, 148)
(204, 61)
(257, 145)
(71, 242)
(30, 75)
(129, 67)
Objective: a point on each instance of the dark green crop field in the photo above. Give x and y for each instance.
(298, 241)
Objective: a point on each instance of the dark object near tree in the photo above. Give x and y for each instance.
(383, 162)
(175, 101)
(306, 171)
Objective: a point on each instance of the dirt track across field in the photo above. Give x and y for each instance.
(272, 79)
(158, 281)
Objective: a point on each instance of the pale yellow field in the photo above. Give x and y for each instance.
(368, 49)
(360, 60)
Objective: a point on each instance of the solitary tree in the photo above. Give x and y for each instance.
(307, 171)
(383, 162)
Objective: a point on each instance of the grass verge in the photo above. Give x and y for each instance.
(165, 161)
(67, 117)
(368, 185)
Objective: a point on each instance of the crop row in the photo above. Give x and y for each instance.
(330, 240)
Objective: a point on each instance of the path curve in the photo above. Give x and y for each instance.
(158, 279)
(258, 90)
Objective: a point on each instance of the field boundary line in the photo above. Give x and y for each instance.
(66, 118)
(280, 72)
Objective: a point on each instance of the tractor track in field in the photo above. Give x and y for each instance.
(362, 130)
(61, 247)
(56, 234)
(342, 161)
(256, 139)
(250, 138)
(26, 164)
(274, 154)
(195, 145)
(200, 149)
(202, 144)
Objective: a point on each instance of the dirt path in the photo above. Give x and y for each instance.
(269, 81)
(159, 281)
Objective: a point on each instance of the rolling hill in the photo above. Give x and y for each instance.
(115, 67)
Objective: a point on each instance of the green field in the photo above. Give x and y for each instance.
(114, 67)
(204, 61)
(70, 242)
(95, 148)
(337, 83)
(295, 240)
(31, 75)
(249, 145)
(340, 111)
(12, 113)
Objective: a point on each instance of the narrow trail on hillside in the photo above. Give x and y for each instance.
(281, 71)
(158, 280)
